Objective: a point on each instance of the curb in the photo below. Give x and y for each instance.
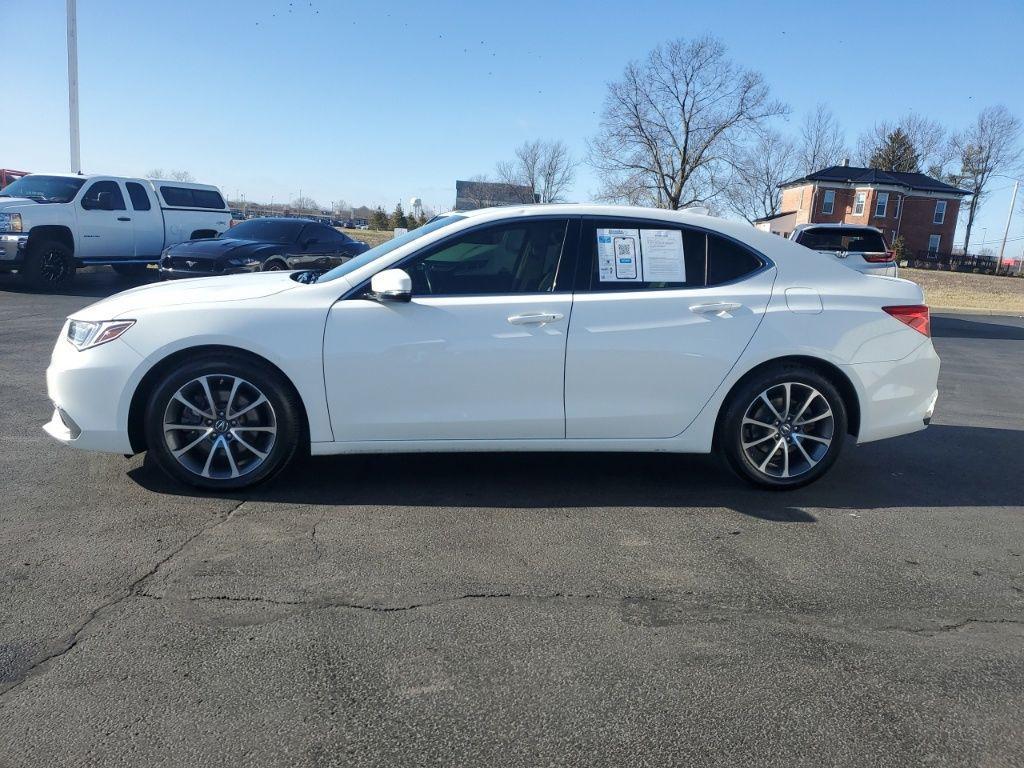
(974, 311)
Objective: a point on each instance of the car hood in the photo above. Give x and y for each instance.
(200, 290)
(15, 203)
(212, 248)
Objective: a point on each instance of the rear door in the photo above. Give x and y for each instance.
(660, 315)
(147, 221)
(104, 222)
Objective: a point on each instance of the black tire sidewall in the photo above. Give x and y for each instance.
(729, 437)
(32, 269)
(274, 386)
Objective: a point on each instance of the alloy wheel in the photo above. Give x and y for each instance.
(219, 426)
(787, 430)
(53, 267)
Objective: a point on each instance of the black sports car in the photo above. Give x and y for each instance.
(261, 244)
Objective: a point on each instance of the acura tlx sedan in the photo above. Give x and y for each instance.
(537, 328)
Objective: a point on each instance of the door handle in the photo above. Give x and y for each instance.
(538, 319)
(124, 218)
(716, 308)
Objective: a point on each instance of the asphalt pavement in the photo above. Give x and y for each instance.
(491, 610)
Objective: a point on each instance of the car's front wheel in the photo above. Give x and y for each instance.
(49, 265)
(223, 421)
(783, 428)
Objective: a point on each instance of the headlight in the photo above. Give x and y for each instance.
(10, 222)
(84, 334)
(243, 261)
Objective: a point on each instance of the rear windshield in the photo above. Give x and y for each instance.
(842, 239)
(185, 197)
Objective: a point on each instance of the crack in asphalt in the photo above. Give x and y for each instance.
(951, 627)
(42, 662)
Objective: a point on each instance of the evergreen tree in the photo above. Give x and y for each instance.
(378, 219)
(896, 153)
(398, 218)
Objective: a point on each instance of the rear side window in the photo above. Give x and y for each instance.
(140, 200)
(707, 259)
(842, 239)
(185, 197)
(728, 260)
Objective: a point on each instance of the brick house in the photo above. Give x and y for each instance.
(921, 209)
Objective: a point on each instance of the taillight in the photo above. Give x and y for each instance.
(878, 258)
(914, 315)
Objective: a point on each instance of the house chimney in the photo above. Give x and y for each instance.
(846, 162)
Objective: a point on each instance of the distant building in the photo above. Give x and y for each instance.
(470, 195)
(922, 209)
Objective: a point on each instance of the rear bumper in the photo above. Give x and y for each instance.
(896, 398)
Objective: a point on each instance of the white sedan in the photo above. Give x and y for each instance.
(537, 328)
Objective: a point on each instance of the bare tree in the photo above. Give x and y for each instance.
(160, 173)
(928, 139)
(671, 124)
(305, 203)
(988, 147)
(758, 169)
(546, 167)
(822, 141)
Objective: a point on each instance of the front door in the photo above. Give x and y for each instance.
(661, 314)
(104, 223)
(479, 351)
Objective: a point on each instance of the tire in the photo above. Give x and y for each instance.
(49, 265)
(272, 265)
(778, 446)
(213, 449)
(130, 270)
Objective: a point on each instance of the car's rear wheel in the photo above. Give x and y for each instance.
(273, 265)
(223, 422)
(783, 428)
(49, 265)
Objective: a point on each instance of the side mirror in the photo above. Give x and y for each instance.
(391, 285)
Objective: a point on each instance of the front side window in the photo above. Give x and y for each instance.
(828, 202)
(266, 231)
(140, 200)
(881, 203)
(324, 236)
(110, 190)
(522, 257)
(858, 204)
(940, 212)
(933, 243)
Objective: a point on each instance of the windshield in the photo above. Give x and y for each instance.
(385, 248)
(843, 239)
(44, 189)
(266, 231)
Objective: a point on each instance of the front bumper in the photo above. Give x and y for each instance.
(91, 392)
(12, 251)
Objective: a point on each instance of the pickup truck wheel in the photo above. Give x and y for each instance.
(48, 265)
(130, 270)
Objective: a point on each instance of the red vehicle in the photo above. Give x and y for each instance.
(7, 176)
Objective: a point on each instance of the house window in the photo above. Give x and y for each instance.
(896, 207)
(828, 203)
(933, 243)
(940, 212)
(858, 204)
(881, 203)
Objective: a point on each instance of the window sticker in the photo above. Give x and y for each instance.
(618, 255)
(640, 255)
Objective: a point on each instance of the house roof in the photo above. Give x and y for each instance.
(851, 174)
(774, 216)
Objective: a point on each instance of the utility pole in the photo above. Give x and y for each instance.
(76, 154)
(1006, 231)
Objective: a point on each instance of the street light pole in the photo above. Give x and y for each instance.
(1006, 231)
(76, 154)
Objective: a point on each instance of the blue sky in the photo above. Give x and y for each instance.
(374, 102)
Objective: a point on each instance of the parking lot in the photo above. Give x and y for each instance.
(517, 609)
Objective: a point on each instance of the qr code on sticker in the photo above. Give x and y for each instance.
(625, 248)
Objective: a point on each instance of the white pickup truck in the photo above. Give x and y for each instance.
(52, 224)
